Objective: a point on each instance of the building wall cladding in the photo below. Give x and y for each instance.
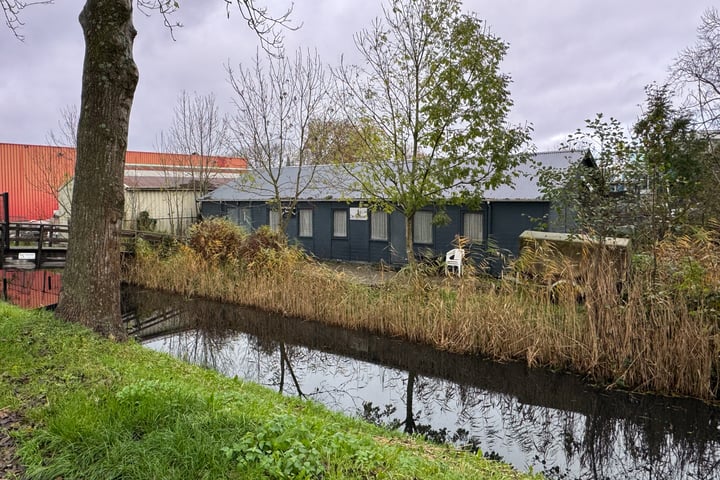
(23, 175)
(173, 210)
(26, 170)
(503, 222)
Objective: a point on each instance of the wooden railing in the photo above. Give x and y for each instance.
(27, 245)
(33, 245)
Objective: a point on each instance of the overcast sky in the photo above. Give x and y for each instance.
(568, 59)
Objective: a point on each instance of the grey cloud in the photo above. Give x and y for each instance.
(568, 58)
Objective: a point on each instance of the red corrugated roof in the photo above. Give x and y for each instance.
(27, 170)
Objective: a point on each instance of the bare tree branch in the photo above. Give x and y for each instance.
(11, 10)
(276, 104)
(264, 24)
(200, 133)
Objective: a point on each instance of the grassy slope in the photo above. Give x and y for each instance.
(96, 409)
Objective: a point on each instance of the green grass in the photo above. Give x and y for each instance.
(95, 409)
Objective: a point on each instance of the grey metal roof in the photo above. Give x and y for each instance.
(525, 186)
(329, 182)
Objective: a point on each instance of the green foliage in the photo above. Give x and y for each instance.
(586, 192)
(285, 448)
(642, 185)
(100, 410)
(144, 223)
(431, 86)
(344, 141)
(281, 448)
(671, 154)
(687, 268)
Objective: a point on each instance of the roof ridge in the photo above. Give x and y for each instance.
(550, 152)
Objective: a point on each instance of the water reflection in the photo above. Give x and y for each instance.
(553, 423)
(31, 288)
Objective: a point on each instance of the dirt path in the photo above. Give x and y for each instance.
(10, 467)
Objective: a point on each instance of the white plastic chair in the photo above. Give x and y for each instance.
(454, 260)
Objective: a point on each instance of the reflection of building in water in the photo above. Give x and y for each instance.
(31, 288)
(553, 423)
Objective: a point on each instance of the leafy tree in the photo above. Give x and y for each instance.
(431, 87)
(642, 183)
(275, 107)
(596, 194)
(338, 141)
(91, 280)
(672, 155)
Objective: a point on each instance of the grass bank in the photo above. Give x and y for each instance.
(655, 329)
(94, 409)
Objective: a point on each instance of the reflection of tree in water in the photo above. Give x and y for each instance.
(563, 444)
(206, 347)
(596, 436)
(336, 380)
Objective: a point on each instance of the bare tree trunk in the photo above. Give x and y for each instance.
(91, 281)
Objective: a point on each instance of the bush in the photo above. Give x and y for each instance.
(217, 240)
(264, 238)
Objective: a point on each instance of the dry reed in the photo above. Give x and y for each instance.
(648, 332)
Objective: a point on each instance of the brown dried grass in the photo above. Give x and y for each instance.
(643, 331)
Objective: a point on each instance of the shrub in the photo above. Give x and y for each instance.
(144, 223)
(217, 240)
(264, 238)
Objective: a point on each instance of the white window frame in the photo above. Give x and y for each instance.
(337, 215)
(305, 222)
(468, 227)
(423, 220)
(379, 226)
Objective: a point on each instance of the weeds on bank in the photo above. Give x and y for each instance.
(96, 409)
(649, 326)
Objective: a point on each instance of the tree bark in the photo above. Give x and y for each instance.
(409, 250)
(91, 280)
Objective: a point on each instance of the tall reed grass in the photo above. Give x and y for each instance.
(646, 329)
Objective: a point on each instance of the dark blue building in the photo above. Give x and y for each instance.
(332, 224)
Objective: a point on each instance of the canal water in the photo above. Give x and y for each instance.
(530, 418)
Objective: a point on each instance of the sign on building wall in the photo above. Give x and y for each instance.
(358, 214)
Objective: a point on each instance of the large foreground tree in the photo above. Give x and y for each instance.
(91, 281)
(431, 86)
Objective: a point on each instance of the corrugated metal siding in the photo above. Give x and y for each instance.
(173, 210)
(509, 219)
(24, 172)
(22, 175)
(31, 288)
(152, 159)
